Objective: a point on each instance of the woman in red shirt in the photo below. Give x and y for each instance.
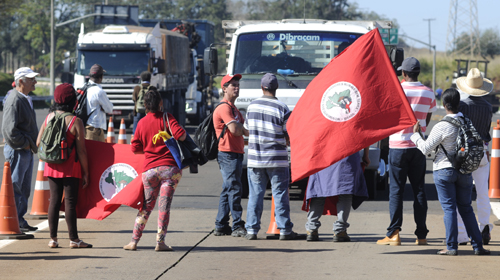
(65, 177)
(162, 174)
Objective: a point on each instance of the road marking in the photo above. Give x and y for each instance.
(41, 226)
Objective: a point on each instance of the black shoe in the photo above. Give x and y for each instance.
(482, 252)
(239, 232)
(447, 252)
(222, 231)
(312, 235)
(290, 236)
(486, 235)
(462, 243)
(251, 236)
(341, 237)
(28, 228)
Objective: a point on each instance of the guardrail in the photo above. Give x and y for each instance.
(35, 98)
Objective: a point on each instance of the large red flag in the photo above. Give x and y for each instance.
(355, 101)
(115, 179)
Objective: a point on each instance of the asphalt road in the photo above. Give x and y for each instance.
(199, 255)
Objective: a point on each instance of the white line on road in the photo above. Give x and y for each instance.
(41, 226)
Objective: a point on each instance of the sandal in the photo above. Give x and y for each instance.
(163, 247)
(131, 246)
(53, 244)
(79, 244)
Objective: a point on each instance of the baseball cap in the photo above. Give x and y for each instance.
(410, 64)
(64, 93)
(24, 72)
(269, 81)
(96, 69)
(228, 78)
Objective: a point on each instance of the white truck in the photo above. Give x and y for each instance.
(296, 51)
(125, 52)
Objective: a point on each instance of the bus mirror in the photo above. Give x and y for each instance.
(397, 56)
(210, 61)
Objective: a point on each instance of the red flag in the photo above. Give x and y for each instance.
(355, 101)
(115, 178)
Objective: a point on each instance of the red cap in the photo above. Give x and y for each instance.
(64, 93)
(228, 78)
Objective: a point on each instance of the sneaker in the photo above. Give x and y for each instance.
(251, 236)
(486, 235)
(312, 235)
(239, 232)
(482, 252)
(341, 237)
(222, 231)
(291, 236)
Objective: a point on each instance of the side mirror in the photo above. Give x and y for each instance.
(157, 65)
(210, 61)
(397, 56)
(67, 65)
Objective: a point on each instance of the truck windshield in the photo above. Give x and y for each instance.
(299, 51)
(116, 63)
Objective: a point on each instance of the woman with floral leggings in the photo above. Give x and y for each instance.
(161, 174)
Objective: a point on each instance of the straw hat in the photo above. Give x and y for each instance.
(474, 84)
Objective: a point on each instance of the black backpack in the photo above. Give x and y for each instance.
(206, 138)
(53, 146)
(81, 107)
(470, 146)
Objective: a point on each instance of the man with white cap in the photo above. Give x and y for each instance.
(20, 131)
(473, 88)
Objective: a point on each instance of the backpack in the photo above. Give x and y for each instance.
(206, 138)
(81, 107)
(53, 145)
(470, 146)
(139, 107)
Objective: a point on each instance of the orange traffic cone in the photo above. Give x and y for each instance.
(273, 227)
(9, 225)
(41, 196)
(494, 192)
(111, 131)
(122, 134)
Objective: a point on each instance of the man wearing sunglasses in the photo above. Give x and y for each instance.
(20, 131)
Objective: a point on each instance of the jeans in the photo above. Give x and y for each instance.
(21, 166)
(407, 163)
(257, 182)
(316, 207)
(230, 165)
(137, 118)
(454, 192)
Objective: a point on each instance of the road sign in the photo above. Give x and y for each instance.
(389, 36)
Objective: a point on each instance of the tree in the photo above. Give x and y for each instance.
(490, 43)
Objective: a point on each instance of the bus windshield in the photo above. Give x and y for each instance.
(302, 52)
(116, 63)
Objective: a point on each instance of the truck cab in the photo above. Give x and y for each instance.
(295, 51)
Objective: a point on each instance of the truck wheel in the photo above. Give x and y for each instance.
(244, 183)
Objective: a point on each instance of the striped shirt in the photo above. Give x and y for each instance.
(422, 102)
(266, 124)
(443, 133)
(480, 113)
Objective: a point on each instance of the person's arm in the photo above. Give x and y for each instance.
(81, 150)
(236, 129)
(435, 138)
(136, 144)
(106, 105)
(366, 156)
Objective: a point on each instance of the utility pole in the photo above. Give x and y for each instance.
(52, 49)
(429, 20)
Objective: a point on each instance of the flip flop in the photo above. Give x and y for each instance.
(79, 244)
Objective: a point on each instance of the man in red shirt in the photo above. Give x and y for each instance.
(230, 159)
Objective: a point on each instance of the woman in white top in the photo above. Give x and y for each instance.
(454, 188)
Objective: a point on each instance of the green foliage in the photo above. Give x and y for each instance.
(5, 83)
(489, 41)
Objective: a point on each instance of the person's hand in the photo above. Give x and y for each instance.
(416, 127)
(366, 159)
(85, 181)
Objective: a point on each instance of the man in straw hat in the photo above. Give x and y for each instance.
(473, 88)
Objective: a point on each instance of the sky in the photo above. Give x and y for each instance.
(410, 16)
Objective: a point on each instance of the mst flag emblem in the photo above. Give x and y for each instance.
(341, 102)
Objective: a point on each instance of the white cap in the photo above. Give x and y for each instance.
(24, 72)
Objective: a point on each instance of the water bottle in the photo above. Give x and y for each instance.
(461, 155)
(64, 149)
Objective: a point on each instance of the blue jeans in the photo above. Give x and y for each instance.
(230, 165)
(21, 166)
(257, 182)
(454, 192)
(137, 118)
(403, 164)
